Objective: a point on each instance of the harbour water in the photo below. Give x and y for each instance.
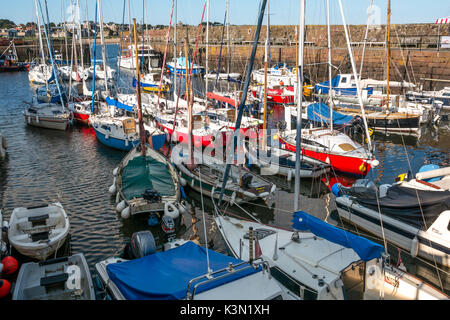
(74, 168)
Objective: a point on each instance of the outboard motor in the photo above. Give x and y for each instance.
(246, 180)
(168, 226)
(142, 244)
(152, 196)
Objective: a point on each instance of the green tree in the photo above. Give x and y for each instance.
(5, 23)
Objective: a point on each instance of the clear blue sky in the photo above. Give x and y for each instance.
(241, 11)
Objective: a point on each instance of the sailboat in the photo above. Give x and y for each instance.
(41, 73)
(315, 260)
(183, 270)
(393, 116)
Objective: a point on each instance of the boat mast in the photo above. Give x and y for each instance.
(41, 46)
(228, 41)
(175, 50)
(358, 90)
(243, 99)
(298, 139)
(103, 45)
(94, 54)
(65, 30)
(88, 28)
(81, 40)
(330, 90)
(207, 46)
(189, 108)
(266, 54)
(138, 94)
(388, 52)
(50, 51)
(121, 45)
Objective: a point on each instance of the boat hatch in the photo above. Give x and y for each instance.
(346, 147)
(353, 279)
(260, 233)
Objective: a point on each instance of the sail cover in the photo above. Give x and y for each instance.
(320, 112)
(166, 275)
(366, 249)
(117, 104)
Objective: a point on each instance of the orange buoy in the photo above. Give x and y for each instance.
(10, 265)
(5, 288)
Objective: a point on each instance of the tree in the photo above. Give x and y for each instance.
(6, 24)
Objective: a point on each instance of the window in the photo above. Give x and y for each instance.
(292, 285)
(344, 80)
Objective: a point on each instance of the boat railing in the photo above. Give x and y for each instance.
(230, 270)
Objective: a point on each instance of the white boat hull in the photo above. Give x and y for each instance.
(417, 242)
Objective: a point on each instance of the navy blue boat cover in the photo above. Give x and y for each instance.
(366, 249)
(117, 104)
(166, 275)
(320, 112)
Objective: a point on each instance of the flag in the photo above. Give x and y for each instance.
(258, 252)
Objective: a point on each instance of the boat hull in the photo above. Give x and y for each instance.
(48, 123)
(340, 163)
(395, 231)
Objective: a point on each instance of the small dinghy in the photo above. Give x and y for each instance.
(38, 231)
(65, 278)
(146, 184)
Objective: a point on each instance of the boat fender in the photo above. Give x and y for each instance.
(4, 143)
(117, 197)
(107, 135)
(274, 187)
(115, 171)
(374, 163)
(183, 195)
(10, 265)
(192, 183)
(289, 175)
(29, 119)
(233, 197)
(126, 142)
(171, 211)
(183, 182)
(363, 167)
(327, 160)
(125, 214)
(414, 247)
(174, 136)
(120, 206)
(37, 119)
(112, 188)
(336, 189)
(5, 288)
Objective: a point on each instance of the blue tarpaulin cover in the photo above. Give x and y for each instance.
(166, 275)
(320, 112)
(366, 249)
(117, 104)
